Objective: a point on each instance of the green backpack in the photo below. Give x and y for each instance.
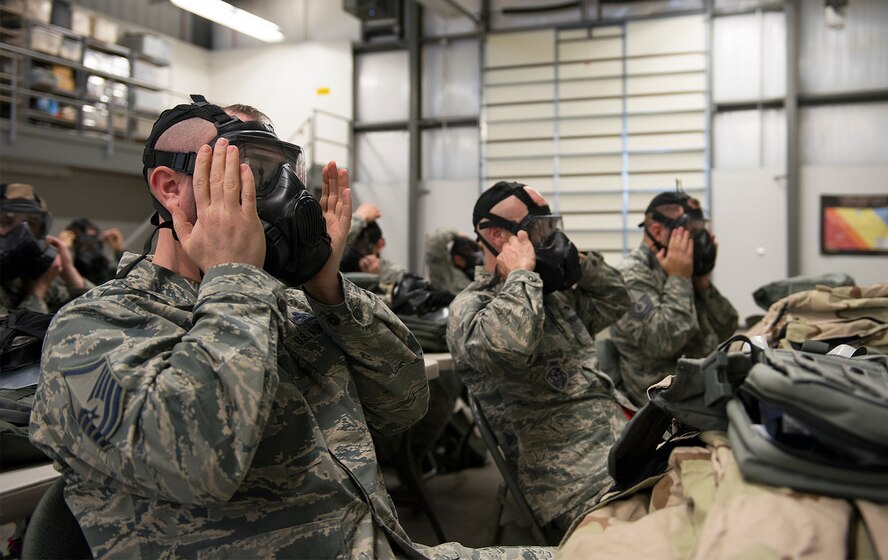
(813, 422)
(21, 339)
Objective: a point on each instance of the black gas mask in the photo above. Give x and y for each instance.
(557, 258)
(296, 241)
(89, 257)
(471, 254)
(24, 252)
(693, 221)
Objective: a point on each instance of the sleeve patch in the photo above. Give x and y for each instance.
(641, 305)
(97, 398)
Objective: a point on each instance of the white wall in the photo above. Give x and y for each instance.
(847, 180)
(189, 71)
(283, 82)
(749, 222)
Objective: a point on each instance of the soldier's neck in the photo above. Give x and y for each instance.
(170, 255)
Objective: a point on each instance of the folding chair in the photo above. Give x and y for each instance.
(609, 359)
(53, 531)
(510, 482)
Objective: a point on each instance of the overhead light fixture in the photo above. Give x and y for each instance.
(241, 21)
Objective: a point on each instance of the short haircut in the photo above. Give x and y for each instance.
(371, 232)
(463, 247)
(80, 225)
(250, 111)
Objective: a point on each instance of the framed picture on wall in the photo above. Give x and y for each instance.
(854, 224)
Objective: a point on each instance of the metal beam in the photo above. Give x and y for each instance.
(793, 198)
(413, 28)
(55, 148)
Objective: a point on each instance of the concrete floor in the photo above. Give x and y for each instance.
(465, 503)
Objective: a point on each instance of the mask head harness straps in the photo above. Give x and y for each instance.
(677, 197)
(177, 161)
(493, 196)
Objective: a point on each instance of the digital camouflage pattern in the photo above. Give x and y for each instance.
(389, 272)
(530, 360)
(14, 294)
(442, 272)
(228, 418)
(667, 320)
(702, 509)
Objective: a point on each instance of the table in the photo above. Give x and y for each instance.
(22, 488)
(444, 359)
(432, 369)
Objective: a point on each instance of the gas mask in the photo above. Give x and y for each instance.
(693, 221)
(557, 258)
(24, 252)
(471, 254)
(89, 257)
(296, 241)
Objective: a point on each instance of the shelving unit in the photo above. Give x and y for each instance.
(56, 78)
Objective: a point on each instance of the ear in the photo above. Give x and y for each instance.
(459, 261)
(164, 185)
(497, 237)
(657, 229)
(380, 245)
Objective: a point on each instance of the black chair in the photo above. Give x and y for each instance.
(53, 531)
(542, 536)
(609, 359)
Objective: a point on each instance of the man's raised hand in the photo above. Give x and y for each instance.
(227, 228)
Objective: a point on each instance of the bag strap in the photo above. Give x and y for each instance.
(718, 388)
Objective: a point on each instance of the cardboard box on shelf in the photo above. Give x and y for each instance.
(45, 40)
(142, 129)
(149, 101)
(107, 63)
(117, 93)
(95, 87)
(64, 77)
(41, 78)
(93, 117)
(103, 29)
(72, 49)
(38, 10)
(81, 21)
(149, 46)
(151, 73)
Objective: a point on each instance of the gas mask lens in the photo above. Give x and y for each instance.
(266, 157)
(695, 225)
(37, 222)
(540, 228)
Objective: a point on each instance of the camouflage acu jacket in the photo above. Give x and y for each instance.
(667, 320)
(442, 272)
(530, 361)
(14, 295)
(228, 418)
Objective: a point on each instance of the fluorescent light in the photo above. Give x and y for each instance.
(242, 21)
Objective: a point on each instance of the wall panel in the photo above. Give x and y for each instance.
(625, 111)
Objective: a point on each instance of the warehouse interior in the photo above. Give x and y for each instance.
(770, 112)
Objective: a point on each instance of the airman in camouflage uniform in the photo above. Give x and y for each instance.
(443, 270)
(529, 358)
(674, 312)
(371, 262)
(59, 284)
(15, 294)
(197, 408)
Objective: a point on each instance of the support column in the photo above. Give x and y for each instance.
(413, 29)
(791, 105)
